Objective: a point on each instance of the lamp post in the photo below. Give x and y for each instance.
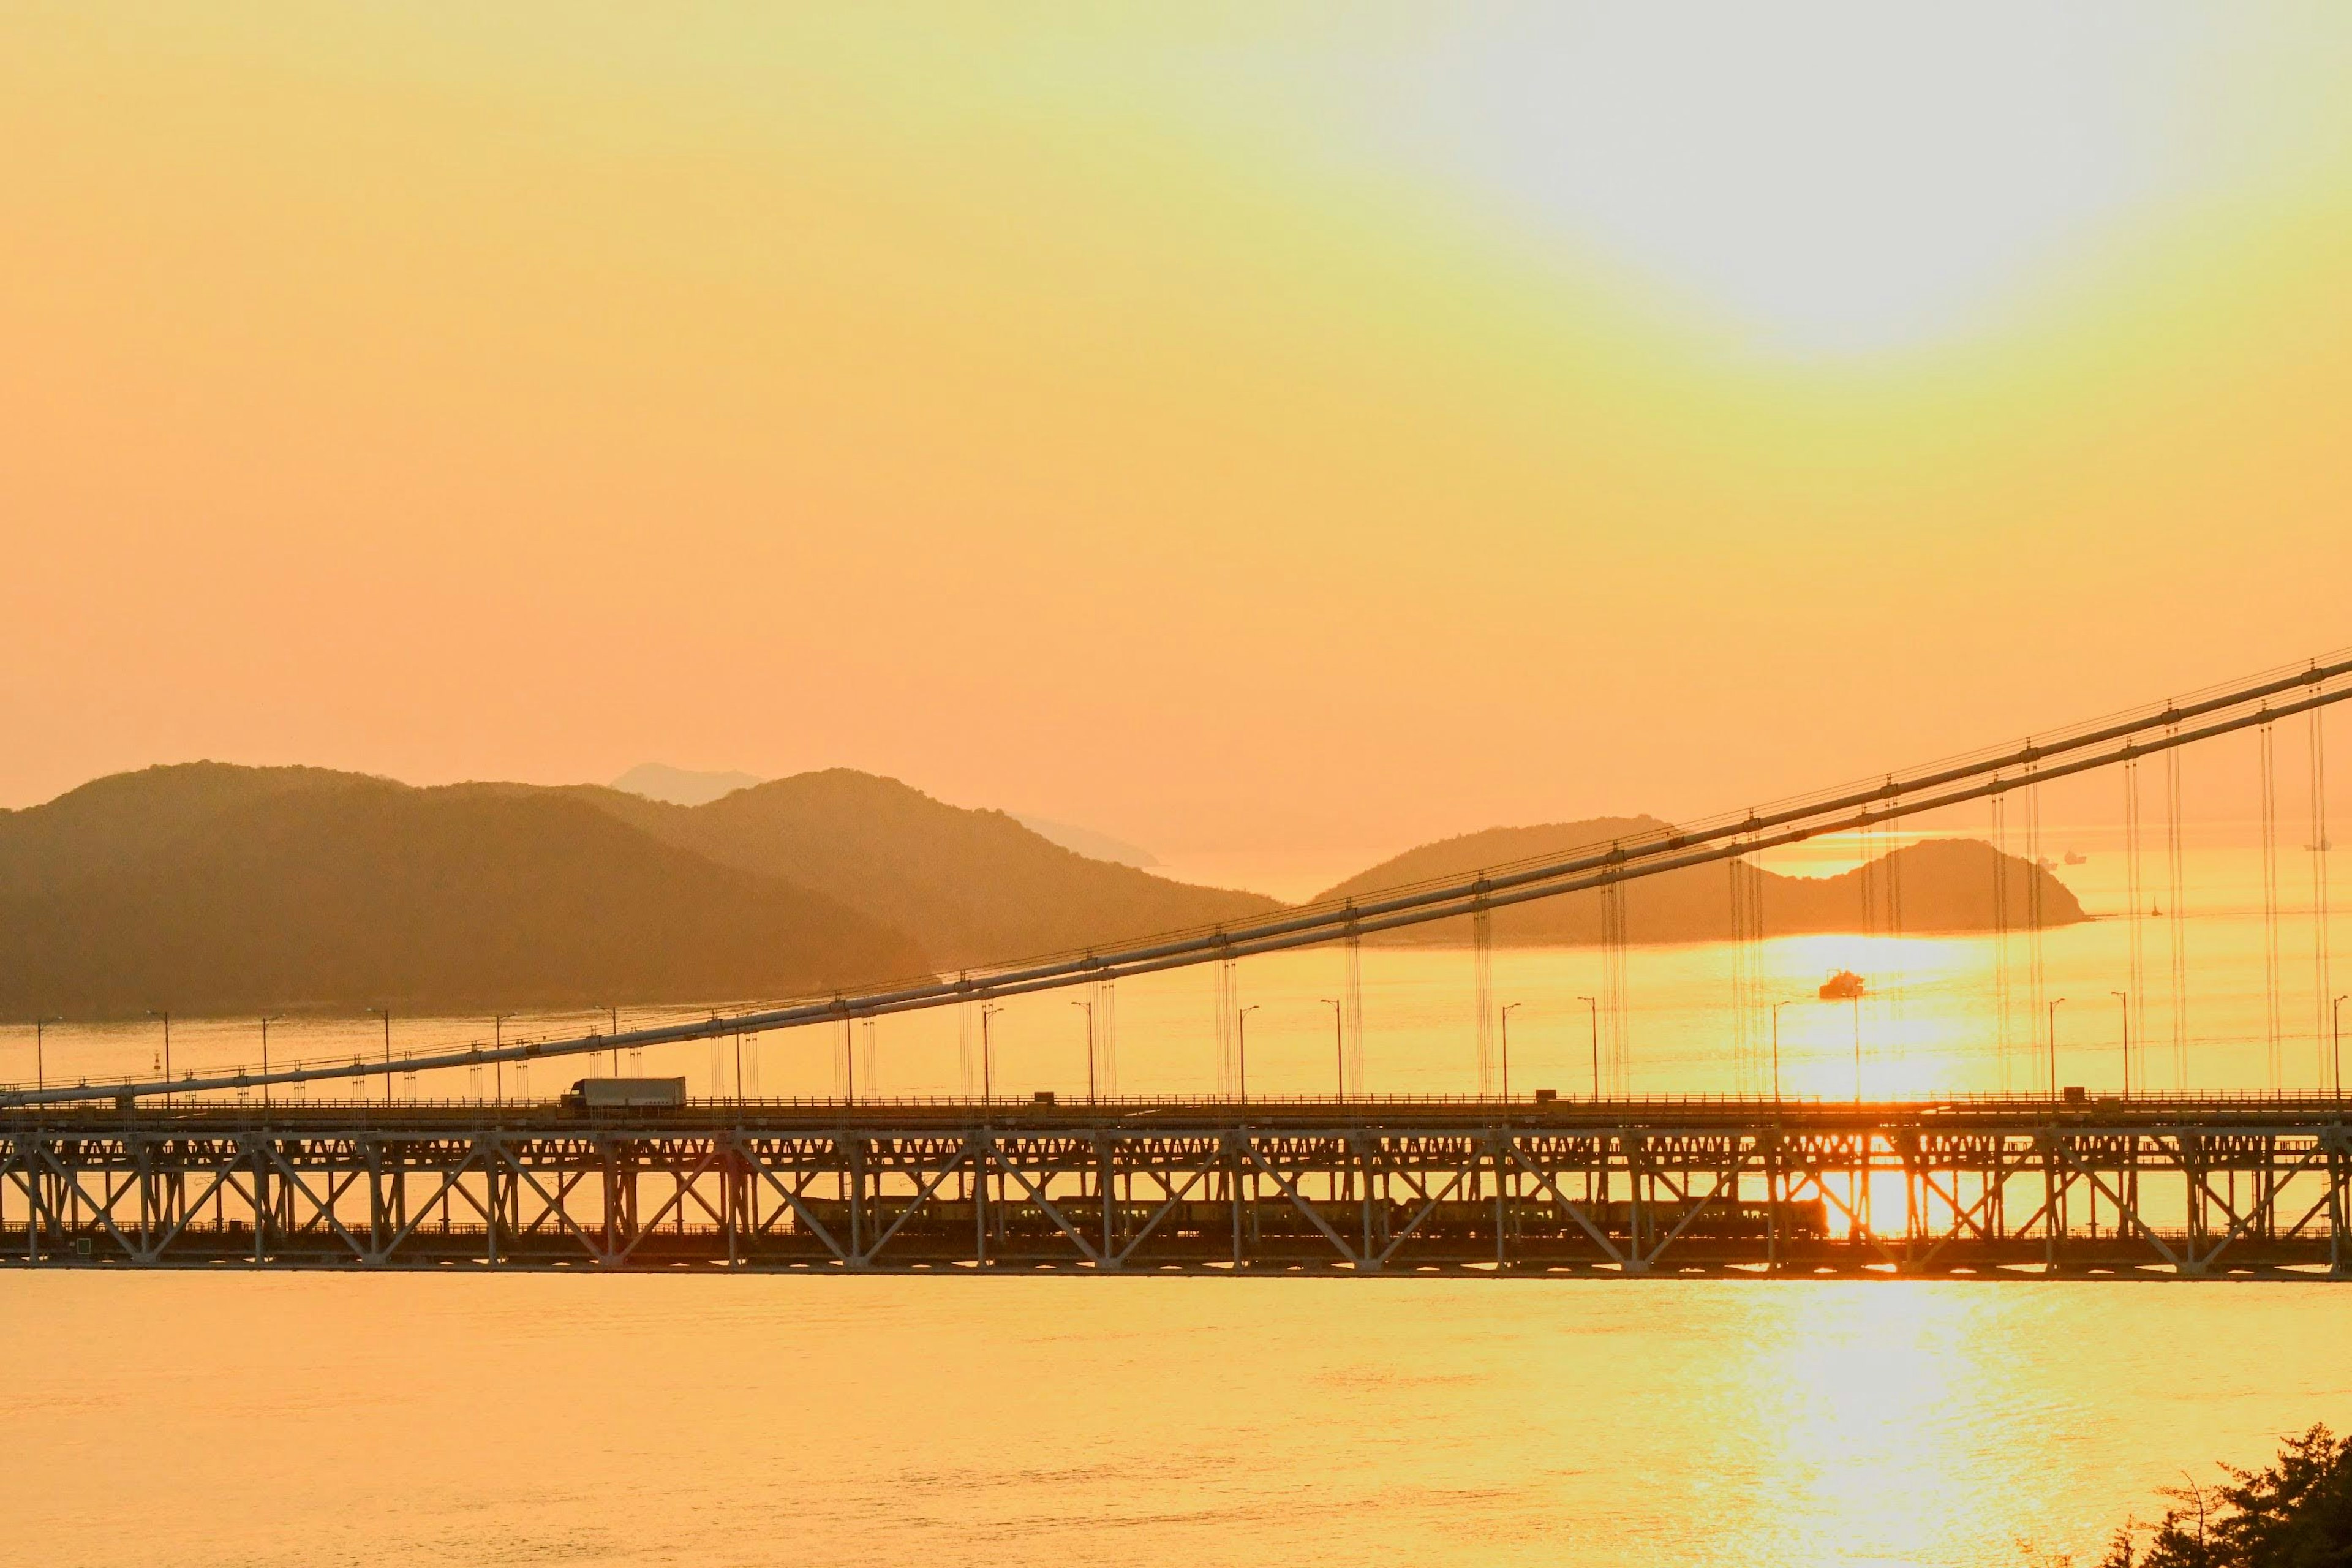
(615, 1013)
(385, 1014)
(1507, 1048)
(40, 1051)
(1090, 1006)
(2336, 1025)
(1339, 1047)
(1776, 1048)
(1241, 1045)
(166, 1015)
(2054, 1005)
(988, 1010)
(1594, 1006)
(2125, 998)
(265, 1058)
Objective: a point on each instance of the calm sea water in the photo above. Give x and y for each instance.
(206, 1419)
(299, 1419)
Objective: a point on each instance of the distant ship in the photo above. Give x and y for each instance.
(2077, 858)
(1846, 985)
(2322, 847)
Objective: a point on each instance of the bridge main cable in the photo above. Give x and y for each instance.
(2100, 744)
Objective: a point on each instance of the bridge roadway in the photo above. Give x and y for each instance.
(2015, 1187)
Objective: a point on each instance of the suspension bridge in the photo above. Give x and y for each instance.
(159, 1172)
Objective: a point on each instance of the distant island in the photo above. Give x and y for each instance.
(208, 888)
(1946, 885)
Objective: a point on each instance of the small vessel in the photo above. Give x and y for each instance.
(1846, 985)
(2077, 858)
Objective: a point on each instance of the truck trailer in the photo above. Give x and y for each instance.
(626, 1094)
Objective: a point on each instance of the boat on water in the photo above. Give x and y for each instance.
(1846, 985)
(2077, 858)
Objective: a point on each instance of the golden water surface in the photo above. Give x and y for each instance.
(227, 1419)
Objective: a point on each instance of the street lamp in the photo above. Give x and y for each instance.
(385, 1014)
(1241, 1045)
(2054, 1046)
(1594, 1006)
(1776, 1047)
(615, 1013)
(1339, 1047)
(265, 1058)
(1090, 1006)
(988, 1010)
(1507, 1048)
(2335, 1024)
(40, 1055)
(166, 1015)
(2125, 998)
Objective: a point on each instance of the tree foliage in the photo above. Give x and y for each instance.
(2296, 1513)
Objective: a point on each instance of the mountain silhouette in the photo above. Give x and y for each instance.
(970, 887)
(216, 889)
(205, 888)
(209, 887)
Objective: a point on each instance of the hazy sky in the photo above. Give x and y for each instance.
(1280, 431)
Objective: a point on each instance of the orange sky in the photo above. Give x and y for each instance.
(1256, 437)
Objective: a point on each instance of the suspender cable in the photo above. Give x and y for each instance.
(1482, 993)
(1744, 885)
(2034, 873)
(1898, 976)
(2134, 912)
(2270, 905)
(1760, 1001)
(2320, 913)
(967, 1050)
(2001, 922)
(2176, 861)
(1352, 998)
(1228, 1005)
(1105, 1020)
(1613, 982)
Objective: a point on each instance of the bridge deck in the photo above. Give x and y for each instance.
(2171, 1187)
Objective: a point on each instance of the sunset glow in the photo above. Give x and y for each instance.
(773, 392)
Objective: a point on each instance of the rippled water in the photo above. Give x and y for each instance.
(298, 1419)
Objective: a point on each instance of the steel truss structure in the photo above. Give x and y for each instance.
(2181, 1188)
